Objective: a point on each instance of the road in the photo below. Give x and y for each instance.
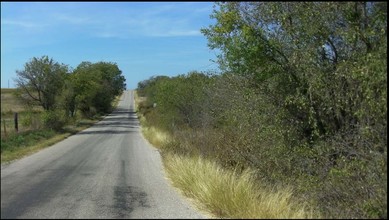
(106, 171)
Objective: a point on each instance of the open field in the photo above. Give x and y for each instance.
(9, 103)
(28, 119)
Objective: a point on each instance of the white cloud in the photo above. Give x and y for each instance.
(20, 23)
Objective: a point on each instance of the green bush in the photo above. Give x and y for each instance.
(54, 119)
(26, 121)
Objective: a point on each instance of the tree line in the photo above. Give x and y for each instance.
(90, 88)
(301, 98)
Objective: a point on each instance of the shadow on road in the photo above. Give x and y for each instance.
(105, 132)
(121, 121)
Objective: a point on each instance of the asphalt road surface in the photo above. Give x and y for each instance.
(106, 171)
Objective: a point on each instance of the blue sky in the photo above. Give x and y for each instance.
(143, 38)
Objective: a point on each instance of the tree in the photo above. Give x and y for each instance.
(301, 54)
(67, 98)
(42, 80)
(96, 85)
(321, 67)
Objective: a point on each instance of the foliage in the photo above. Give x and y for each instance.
(318, 65)
(302, 100)
(91, 87)
(42, 80)
(96, 85)
(67, 99)
(54, 119)
(178, 99)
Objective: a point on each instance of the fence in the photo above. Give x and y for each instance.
(6, 123)
(15, 123)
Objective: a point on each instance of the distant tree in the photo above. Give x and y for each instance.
(144, 87)
(96, 85)
(67, 98)
(42, 80)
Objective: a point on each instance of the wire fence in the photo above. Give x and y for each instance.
(16, 123)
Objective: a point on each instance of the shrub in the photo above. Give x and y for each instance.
(54, 119)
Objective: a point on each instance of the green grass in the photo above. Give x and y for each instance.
(26, 143)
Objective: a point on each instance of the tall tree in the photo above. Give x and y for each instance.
(42, 80)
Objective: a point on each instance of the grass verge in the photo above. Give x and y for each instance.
(18, 145)
(27, 143)
(228, 194)
(156, 137)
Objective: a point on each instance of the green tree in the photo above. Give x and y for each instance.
(67, 98)
(299, 52)
(96, 85)
(42, 80)
(179, 99)
(321, 68)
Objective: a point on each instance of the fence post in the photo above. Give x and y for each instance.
(16, 122)
(5, 130)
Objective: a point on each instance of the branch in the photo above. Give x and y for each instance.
(25, 88)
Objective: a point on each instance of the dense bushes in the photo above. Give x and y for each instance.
(302, 100)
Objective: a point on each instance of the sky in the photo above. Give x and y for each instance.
(143, 38)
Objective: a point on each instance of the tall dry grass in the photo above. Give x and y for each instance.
(229, 194)
(156, 137)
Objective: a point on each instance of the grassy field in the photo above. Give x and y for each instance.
(224, 193)
(8, 102)
(28, 119)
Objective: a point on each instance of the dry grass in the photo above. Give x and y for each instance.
(10, 104)
(231, 195)
(154, 136)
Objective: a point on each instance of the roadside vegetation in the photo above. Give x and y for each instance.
(227, 193)
(53, 102)
(300, 104)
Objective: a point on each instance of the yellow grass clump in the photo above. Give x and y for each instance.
(154, 136)
(229, 194)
